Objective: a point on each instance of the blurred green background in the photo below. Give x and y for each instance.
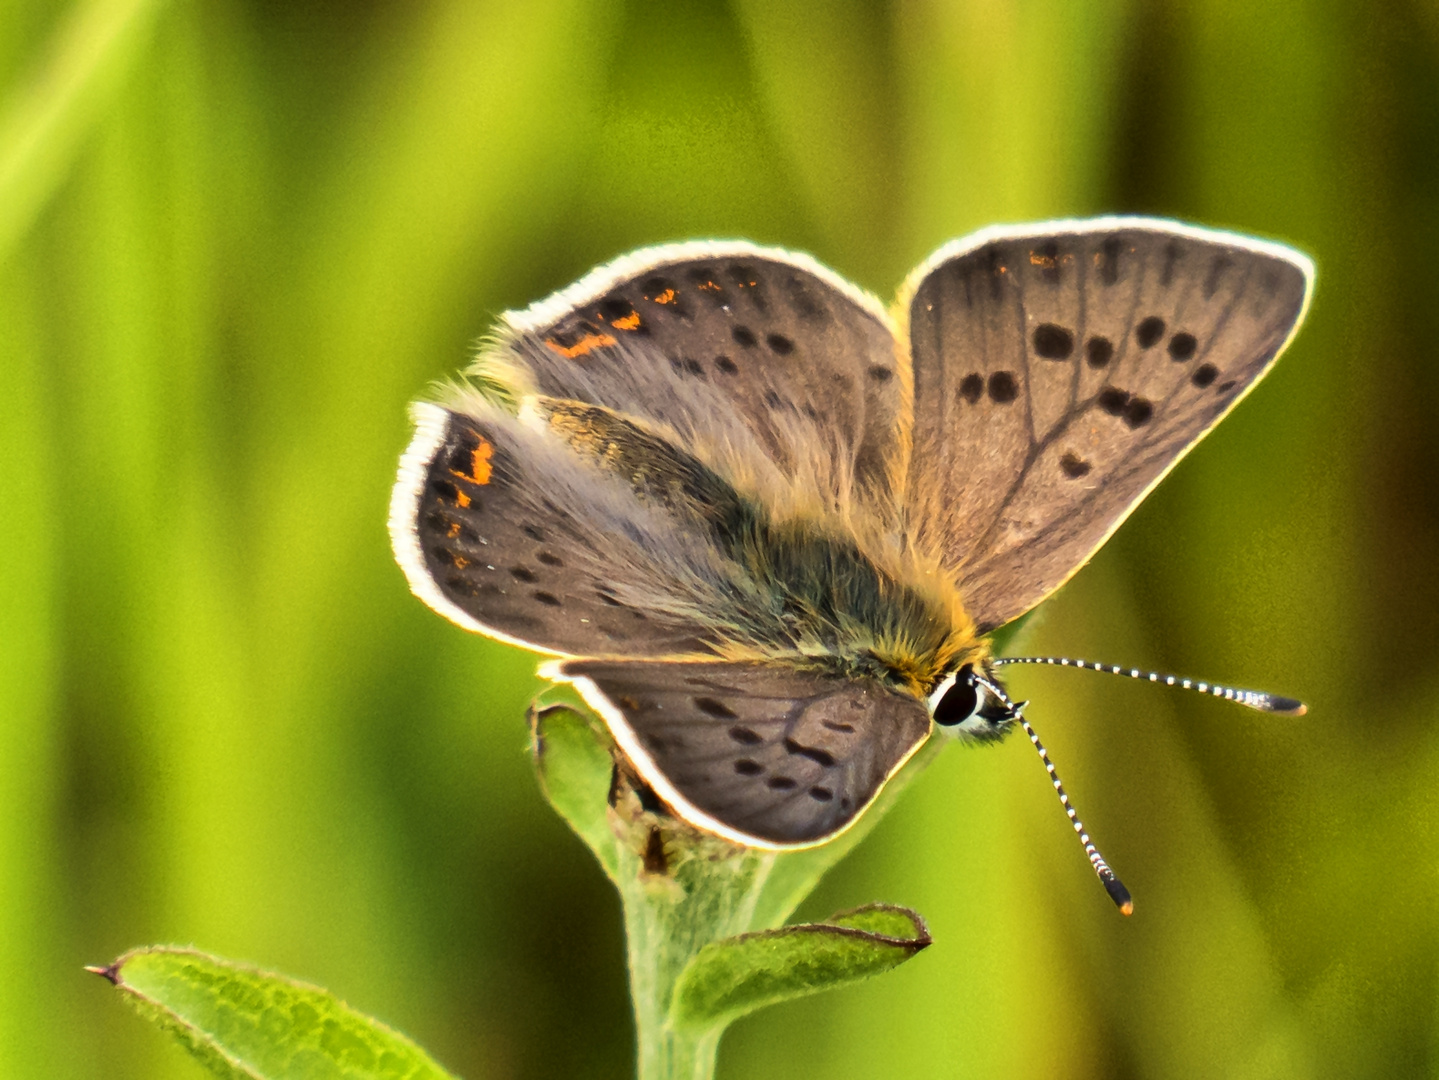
(237, 237)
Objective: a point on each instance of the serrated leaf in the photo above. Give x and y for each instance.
(572, 757)
(246, 1024)
(730, 978)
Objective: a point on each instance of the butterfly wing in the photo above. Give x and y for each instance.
(1061, 370)
(763, 755)
(510, 530)
(748, 355)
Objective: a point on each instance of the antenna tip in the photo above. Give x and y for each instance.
(1287, 705)
(1119, 894)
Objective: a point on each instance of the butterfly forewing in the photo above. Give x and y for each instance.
(1060, 372)
(506, 530)
(747, 350)
(763, 754)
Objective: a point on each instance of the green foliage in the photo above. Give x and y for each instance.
(573, 761)
(701, 915)
(246, 1024)
(730, 978)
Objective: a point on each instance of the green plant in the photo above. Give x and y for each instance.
(704, 923)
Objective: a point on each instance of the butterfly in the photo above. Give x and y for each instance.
(765, 525)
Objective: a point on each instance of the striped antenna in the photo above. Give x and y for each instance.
(1254, 699)
(1107, 877)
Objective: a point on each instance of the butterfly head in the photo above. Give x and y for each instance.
(971, 704)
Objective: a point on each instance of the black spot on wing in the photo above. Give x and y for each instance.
(1099, 351)
(1053, 342)
(1182, 346)
(1138, 411)
(1002, 387)
(820, 756)
(714, 707)
(1113, 400)
(1149, 331)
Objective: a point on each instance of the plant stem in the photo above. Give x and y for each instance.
(708, 892)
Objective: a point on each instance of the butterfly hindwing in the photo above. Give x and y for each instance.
(1060, 371)
(504, 528)
(737, 349)
(762, 754)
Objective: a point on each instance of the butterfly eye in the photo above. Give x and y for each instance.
(958, 699)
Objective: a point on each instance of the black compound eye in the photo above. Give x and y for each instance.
(960, 702)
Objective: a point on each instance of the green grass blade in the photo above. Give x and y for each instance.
(44, 120)
(246, 1024)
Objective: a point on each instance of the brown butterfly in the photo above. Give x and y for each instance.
(766, 525)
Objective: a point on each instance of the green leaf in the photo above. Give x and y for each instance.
(572, 756)
(246, 1024)
(730, 978)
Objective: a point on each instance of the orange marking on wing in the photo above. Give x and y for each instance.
(629, 322)
(584, 345)
(666, 297)
(459, 560)
(461, 499)
(480, 468)
(1049, 262)
(709, 286)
